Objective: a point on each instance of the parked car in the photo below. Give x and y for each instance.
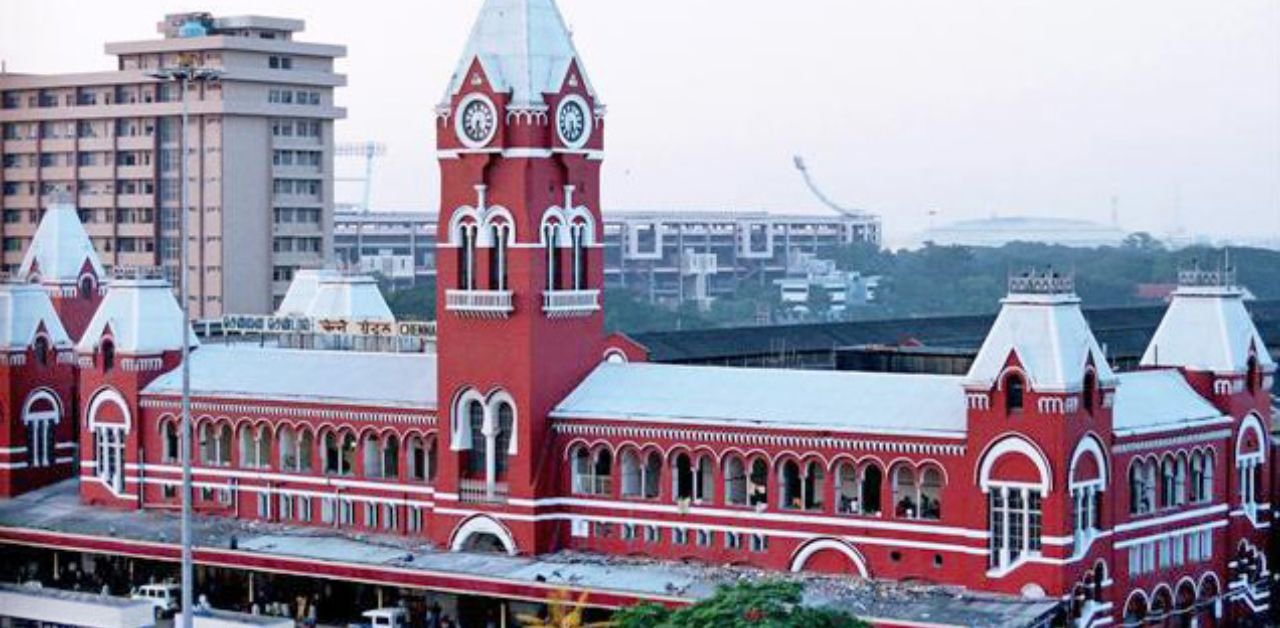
(166, 597)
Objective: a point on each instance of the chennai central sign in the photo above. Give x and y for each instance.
(251, 324)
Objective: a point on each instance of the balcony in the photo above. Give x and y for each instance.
(570, 303)
(479, 303)
(481, 492)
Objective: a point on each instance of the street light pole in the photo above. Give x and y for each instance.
(183, 74)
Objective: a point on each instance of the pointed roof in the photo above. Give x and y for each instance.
(302, 291)
(1041, 323)
(60, 248)
(24, 309)
(143, 317)
(1207, 328)
(523, 46)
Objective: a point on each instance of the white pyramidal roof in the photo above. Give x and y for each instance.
(328, 294)
(302, 291)
(1158, 400)
(1051, 338)
(1206, 328)
(60, 248)
(383, 379)
(23, 309)
(523, 46)
(143, 317)
(870, 403)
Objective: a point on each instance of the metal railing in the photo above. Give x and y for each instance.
(479, 303)
(567, 303)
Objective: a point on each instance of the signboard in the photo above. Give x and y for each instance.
(251, 324)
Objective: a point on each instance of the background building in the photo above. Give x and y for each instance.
(666, 255)
(111, 141)
(998, 231)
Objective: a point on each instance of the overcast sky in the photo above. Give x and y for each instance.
(970, 108)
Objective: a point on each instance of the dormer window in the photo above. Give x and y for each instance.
(41, 349)
(108, 355)
(86, 287)
(1014, 389)
(1253, 375)
(1089, 393)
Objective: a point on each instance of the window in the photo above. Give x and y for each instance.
(1089, 391)
(1014, 524)
(704, 538)
(551, 240)
(651, 534)
(498, 257)
(170, 438)
(1014, 392)
(759, 543)
(1253, 375)
(732, 540)
(466, 257)
(108, 350)
(869, 489)
(578, 236)
(592, 471)
(679, 536)
(801, 486)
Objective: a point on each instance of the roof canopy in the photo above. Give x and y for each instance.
(24, 308)
(60, 248)
(1049, 336)
(869, 403)
(142, 316)
(1207, 328)
(525, 50)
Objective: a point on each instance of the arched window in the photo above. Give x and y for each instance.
(1206, 480)
(931, 493)
(551, 240)
(814, 479)
(288, 448)
(847, 489)
(704, 480)
(581, 470)
(86, 287)
(578, 234)
(224, 445)
(1253, 375)
(248, 450)
(476, 456)
(390, 456)
(869, 489)
(1014, 391)
(602, 472)
(108, 355)
(791, 485)
(1197, 477)
(632, 474)
(905, 492)
(758, 483)
(1137, 505)
(1180, 480)
(652, 475)
(41, 350)
(1089, 392)
(348, 454)
(306, 450)
(170, 437)
(420, 462)
(467, 256)
(40, 413)
(683, 478)
(735, 481)
(502, 439)
(498, 257)
(1168, 482)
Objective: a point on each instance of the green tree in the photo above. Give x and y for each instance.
(775, 604)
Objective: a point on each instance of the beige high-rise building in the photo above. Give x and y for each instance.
(260, 156)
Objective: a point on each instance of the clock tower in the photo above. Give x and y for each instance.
(519, 276)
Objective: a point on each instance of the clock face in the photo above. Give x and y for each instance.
(573, 122)
(477, 121)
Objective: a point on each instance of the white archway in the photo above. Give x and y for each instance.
(40, 426)
(1015, 445)
(806, 551)
(109, 395)
(478, 525)
(1089, 445)
(109, 439)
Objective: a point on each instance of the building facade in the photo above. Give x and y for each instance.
(1130, 497)
(664, 256)
(260, 147)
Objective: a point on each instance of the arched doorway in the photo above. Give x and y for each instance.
(829, 556)
(483, 534)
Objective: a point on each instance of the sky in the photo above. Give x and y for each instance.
(902, 107)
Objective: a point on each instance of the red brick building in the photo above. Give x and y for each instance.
(1135, 496)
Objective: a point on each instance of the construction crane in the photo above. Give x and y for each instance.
(832, 205)
(369, 150)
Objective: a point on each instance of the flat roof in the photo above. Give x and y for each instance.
(54, 517)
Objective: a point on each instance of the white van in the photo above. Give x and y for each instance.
(166, 597)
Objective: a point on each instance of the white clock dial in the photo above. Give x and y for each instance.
(573, 121)
(477, 121)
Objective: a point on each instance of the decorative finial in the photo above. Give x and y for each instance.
(1049, 281)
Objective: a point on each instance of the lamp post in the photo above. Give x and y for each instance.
(184, 73)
